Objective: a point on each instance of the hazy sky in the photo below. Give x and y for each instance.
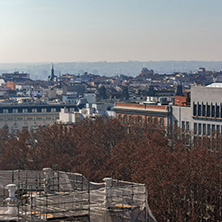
(112, 30)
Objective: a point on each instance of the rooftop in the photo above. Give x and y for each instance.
(56, 195)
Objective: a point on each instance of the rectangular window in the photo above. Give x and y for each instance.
(199, 128)
(218, 129)
(15, 110)
(161, 121)
(34, 110)
(208, 110)
(130, 117)
(5, 110)
(208, 129)
(195, 128)
(44, 110)
(213, 111)
(149, 119)
(199, 110)
(187, 126)
(220, 111)
(204, 129)
(213, 128)
(140, 119)
(203, 111)
(124, 117)
(183, 125)
(194, 109)
(119, 116)
(155, 120)
(217, 110)
(25, 110)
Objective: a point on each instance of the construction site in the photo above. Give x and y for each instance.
(52, 195)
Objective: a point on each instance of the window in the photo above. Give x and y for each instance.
(187, 126)
(203, 111)
(5, 110)
(199, 128)
(218, 129)
(53, 109)
(194, 109)
(208, 129)
(149, 119)
(25, 110)
(217, 110)
(119, 116)
(34, 110)
(139, 119)
(199, 110)
(220, 111)
(208, 110)
(15, 110)
(72, 110)
(130, 117)
(155, 120)
(161, 121)
(25, 127)
(213, 128)
(183, 125)
(195, 128)
(213, 111)
(44, 110)
(204, 129)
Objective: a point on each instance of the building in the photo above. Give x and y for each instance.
(204, 115)
(142, 113)
(17, 117)
(68, 117)
(48, 195)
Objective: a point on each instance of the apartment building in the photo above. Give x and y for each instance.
(204, 115)
(141, 113)
(16, 117)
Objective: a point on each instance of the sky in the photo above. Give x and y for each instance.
(110, 30)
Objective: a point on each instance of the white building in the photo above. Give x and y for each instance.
(204, 116)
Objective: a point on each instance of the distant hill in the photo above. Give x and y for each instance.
(133, 68)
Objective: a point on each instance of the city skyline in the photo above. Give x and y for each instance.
(74, 30)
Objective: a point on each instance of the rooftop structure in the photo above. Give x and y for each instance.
(48, 195)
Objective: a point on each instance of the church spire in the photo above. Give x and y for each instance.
(52, 72)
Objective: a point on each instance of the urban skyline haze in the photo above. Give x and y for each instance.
(117, 30)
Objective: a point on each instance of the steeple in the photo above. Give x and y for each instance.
(52, 77)
(52, 72)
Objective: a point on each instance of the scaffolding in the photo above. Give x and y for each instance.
(48, 195)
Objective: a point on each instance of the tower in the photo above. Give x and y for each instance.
(52, 77)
